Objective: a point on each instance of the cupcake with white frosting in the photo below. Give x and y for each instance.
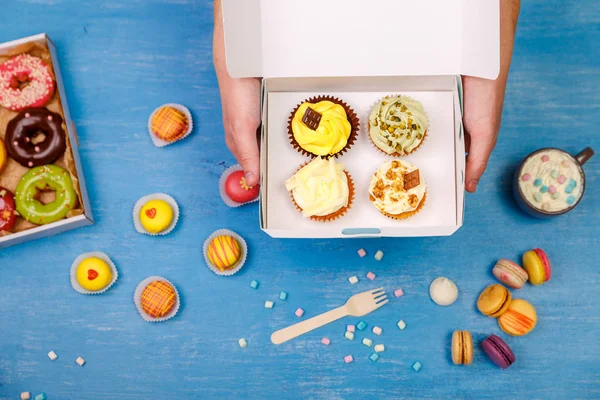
(398, 189)
(322, 189)
(398, 125)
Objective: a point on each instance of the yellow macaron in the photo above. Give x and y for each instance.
(494, 300)
(462, 348)
(156, 216)
(519, 319)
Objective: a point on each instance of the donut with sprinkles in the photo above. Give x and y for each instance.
(25, 82)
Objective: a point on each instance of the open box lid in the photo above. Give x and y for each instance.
(310, 38)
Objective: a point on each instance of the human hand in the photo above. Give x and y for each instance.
(483, 101)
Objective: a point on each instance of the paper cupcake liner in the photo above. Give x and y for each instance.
(241, 261)
(158, 142)
(156, 196)
(337, 214)
(226, 199)
(137, 299)
(395, 154)
(352, 118)
(408, 214)
(96, 254)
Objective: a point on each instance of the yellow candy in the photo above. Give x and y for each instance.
(156, 216)
(224, 252)
(93, 274)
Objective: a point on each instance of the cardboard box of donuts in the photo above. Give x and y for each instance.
(42, 186)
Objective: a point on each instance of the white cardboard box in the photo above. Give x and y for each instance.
(361, 51)
(73, 222)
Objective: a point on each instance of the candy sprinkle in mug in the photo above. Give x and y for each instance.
(550, 182)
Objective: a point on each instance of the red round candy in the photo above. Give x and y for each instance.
(237, 190)
(8, 216)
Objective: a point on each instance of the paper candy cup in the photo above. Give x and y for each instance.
(156, 196)
(226, 199)
(158, 142)
(137, 299)
(241, 261)
(352, 118)
(96, 254)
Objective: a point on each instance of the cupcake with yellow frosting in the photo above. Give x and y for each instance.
(322, 189)
(398, 125)
(323, 126)
(398, 189)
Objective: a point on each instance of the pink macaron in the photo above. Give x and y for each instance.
(510, 273)
(545, 262)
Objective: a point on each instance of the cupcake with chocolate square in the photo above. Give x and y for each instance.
(323, 126)
(398, 125)
(322, 190)
(398, 189)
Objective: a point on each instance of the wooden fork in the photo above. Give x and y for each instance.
(358, 305)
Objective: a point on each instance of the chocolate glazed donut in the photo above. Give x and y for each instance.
(25, 127)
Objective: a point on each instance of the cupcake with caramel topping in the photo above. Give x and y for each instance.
(323, 126)
(322, 189)
(398, 125)
(398, 189)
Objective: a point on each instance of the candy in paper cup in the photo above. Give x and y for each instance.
(137, 299)
(79, 260)
(156, 196)
(242, 259)
(228, 201)
(158, 142)
(395, 154)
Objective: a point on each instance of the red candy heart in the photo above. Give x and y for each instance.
(151, 213)
(92, 274)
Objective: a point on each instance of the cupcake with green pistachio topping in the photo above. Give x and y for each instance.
(398, 125)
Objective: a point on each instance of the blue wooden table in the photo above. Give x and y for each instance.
(120, 60)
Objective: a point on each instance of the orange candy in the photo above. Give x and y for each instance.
(169, 124)
(158, 299)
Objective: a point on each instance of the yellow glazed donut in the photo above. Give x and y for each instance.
(224, 252)
(93, 274)
(156, 216)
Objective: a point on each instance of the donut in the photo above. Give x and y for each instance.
(23, 134)
(8, 216)
(44, 178)
(2, 155)
(25, 81)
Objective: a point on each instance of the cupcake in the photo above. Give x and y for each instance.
(322, 189)
(398, 125)
(323, 126)
(397, 189)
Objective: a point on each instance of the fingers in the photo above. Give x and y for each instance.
(245, 149)
(480, 148)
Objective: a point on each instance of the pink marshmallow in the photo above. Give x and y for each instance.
(370, 275)
(398, 293)
(362, 253)
(299, 312)
(325, 341)
(377, 330)
(350, 328)
(348, 359)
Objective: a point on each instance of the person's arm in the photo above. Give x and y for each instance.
(240, 101)
(483, 100)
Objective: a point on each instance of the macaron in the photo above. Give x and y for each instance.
(462, 348)
(498, 351)
(519, 319)
(538, 266)
(494, 300)
(510, 273)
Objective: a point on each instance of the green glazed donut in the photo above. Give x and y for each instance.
(45, 177)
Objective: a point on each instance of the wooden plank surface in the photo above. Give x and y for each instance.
(120, 60)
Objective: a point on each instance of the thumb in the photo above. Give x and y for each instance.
(247, 154)
(479, 153)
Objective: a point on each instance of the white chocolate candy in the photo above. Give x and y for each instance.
(443, 291)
